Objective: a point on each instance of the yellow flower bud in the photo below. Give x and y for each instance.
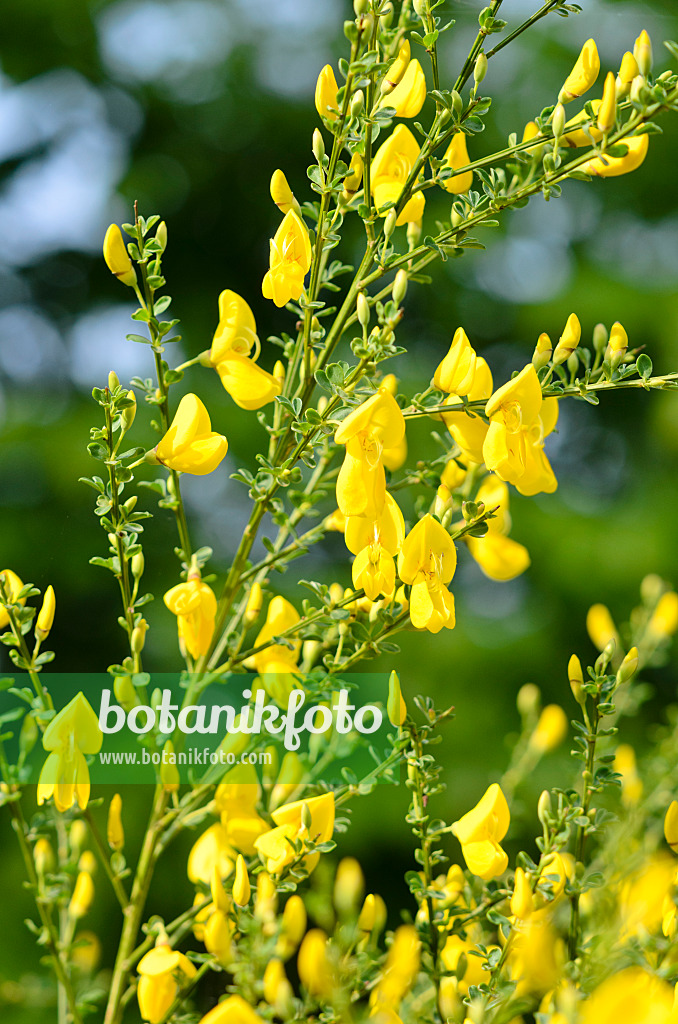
(397, 70)
(456, 156)
(628, 667)
(542, 352)
(277, 989)
(281, 193)
(77, 835)
(349, 886)
(138, 638)
(558, 121)
(607, 111)
(354, 177)
(114, 831)
(390, 224)
(628, 70)
(617, 345)
(396, 708)
(362, 306)
(254, 602)
(368, 915)
(664, 620)
(83, 895)
(600, 627)
(576, 677)
(613, 166)
(568, 341)
(218, 937)
(583, 74)
(266, 898)
(43, 856)
(293, 927)
(521, 901)
(642, 52)
(326, 90)
(399, 289)
(625, 765)
(528, 700)
(87, 862)
(169, 773)
(86, 952)
(241, 885)
(46, 614)
(117, 257)
(314, 966)
(671, 825)
(551, 729)
(12, 586)
(479, 68)
(161, 235)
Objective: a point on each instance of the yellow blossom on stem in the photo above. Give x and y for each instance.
(115, 832)
(583, 74)
(275, 847)
(427, 562)
(600, 626)
(315, 968)
(249, 386)
(456, 156)
(373, 571)
(402, 965)
(481, 830)
(632, 994)
(607, 111)
(45, 619)
(277, 989)
(397, 69)
(456, 947)
(395, 706)
(292, 928)
(456, 373)
(375, 425)
(613, 166)
(470, 431)
(500, 557)
(671, 825)
(235, 800)
(233, 1010)
(628, 70)
(83, 895)
(162, 971)
(195, 607)
(642, 53)
(349, 886)
(568, 340)
(12, 585)
(211, 850)
(519, 422)
(391, 167)
(281, 193)
(218, 936)
(190, 445)
(280, 616)
(522, 903)
(407, 98)
(117, 258)
(551, 729)
(71, 734)
(241, 885)
(535, 961)
(354, 177)
(326, 90)
(290, 259)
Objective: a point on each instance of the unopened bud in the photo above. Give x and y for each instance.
(45, 617)
(600, 338)
(572, 363)
(390, 223)
(138, 638)
(114, 830)
(357, 103)
(528, 700)
(83, 895)
(363, 309)
(318, 146)
(137, 565)
(113, 381)
(306, 817)
(642, 52)
(399, 290)
(124, 691)
(386, 15)
(558, 122)
(637, 91)
(396, 708)
(420, 7)
(161, 235)
(569, 340)
(576, 677)
(361, 7)
(129, 412)
(542, 352)
(254, 602)
(43, 856)
(349, 886)
(131, 503)
(480, 68)
(169, 773)
(544, 807)
(628, 667)
(241, 885)
(413, 233)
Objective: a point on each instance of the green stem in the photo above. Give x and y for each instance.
(118, 887)
(588, 789)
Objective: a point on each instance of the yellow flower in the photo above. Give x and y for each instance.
(83, 895)
(664, 620)
(498, 556)
(671, 825)
(354, 177)
(583, 74)
(117, 257)
(211, 850)
(326, 90)
(522, 903)
(568, 340)
(195, 607)
(233, 1010)
(373, 571)
(427, 562)
(481, 830)
(190, 445)
(536, 958)
(608, 108)
(290, 260)
(395, 706)
(249, 386)
(470, 431)
(407, 98)
(613, 166)
(625, 765)
(628, 70)
(375, 425)
(71, 734)
(551, 729)
(456, 373)
(519, 422)
(281, 193)
(162, 972)
(386, 529)
(314, 966)
(292, 927)
(600, 627)
(456, 156)
(276, 846)
(643, 894)
(280, 616)
(12, 585)
(217, 935)
(277, 989)
(454, 949)
(236, 799)
(629, 995)
(45, 619)
(169, 772)
(391, 167)
(642, 53)
(115, 832)
(397, 68)
(241, 884)
(400, 971)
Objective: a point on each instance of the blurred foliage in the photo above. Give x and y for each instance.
(198, 142)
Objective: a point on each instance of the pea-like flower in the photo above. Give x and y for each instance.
(470, 431)
(326, 90)
(427, 562)
(236, 800)
(190, 445)
(519, 421)
(211, 850)
(162, 972)
(613, 166)
(402, 966)
(481, 830)
(195, 607)
(391, 168)
(233, 1010)
(315, 968)
(117, 258)
(71, 734)
(456, 156)
(632, 994)
(375, 425)
(456, 373)
(12, 587)
(500, 557)
(248, 384)
(584, 73)
(281, 193)
(407, 97)
(290, 260)
(276, 848)
(374, 571)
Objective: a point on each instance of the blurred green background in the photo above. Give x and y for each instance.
(188, 106)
